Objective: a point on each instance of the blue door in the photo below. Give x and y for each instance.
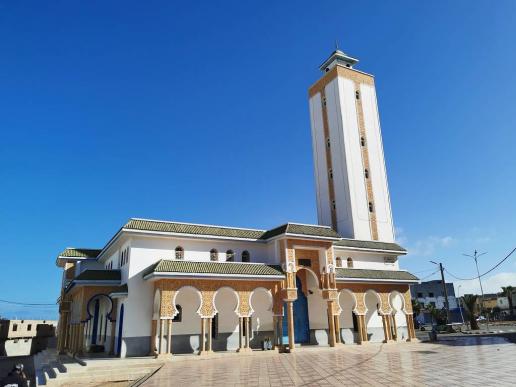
(120, 325)
(95, 323)
(301, 326)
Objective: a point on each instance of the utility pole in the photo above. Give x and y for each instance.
(475, 256)
(446, 303)
(460, 304)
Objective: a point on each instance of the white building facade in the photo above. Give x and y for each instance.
(161, 288)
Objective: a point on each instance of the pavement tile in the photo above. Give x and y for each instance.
(464, 361)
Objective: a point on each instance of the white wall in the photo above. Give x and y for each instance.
(147, 250)
(349, 134)
(197, 249)
(502, 303)
(378, 173)
(352, 207)
(364, 260)
(439, 301)
(319, 155)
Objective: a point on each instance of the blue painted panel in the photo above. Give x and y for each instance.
(120, 326)
(301, 322)
(95, 323)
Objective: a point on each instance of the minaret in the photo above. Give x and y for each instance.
(350, 175)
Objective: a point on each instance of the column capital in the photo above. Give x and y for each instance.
(330, 294)
(289, 294)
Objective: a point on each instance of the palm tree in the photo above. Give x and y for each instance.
(416, 307)
(507, 292)
(431, 311)
(469, 301)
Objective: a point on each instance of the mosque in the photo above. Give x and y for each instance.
(164, 288)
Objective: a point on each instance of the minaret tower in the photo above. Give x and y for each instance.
(350, 175)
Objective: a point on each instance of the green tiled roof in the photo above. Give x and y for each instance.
(301, 229)
(229, 268)
(184, 228)
(373, 245)
(71, 252)
(398, 275)
(228, 232)
(120, 289)
(98, 275)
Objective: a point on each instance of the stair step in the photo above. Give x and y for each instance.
(79, 381)
(91, 372)
(58, 370)
(110, 367)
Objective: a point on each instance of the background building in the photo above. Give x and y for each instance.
(26, 337)
(431, 293)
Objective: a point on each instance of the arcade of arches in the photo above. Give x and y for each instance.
(308, 306)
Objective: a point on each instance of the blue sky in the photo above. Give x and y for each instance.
(197, 112)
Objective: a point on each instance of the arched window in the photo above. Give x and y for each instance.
(338, 261)
(366, 173)
(246, 257)
(362, 141)
(371, 208)
(180, 253)
(179, 316)
(357, 94)
(214, 255)
(350, 263)
(230, 256)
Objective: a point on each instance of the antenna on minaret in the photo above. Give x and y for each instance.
(336, 45)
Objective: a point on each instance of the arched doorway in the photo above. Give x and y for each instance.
(301, 322)
(99, 309)
(348, 318)
(225, 322)
(398, 320)
(261, 319)
(186, 325)
(373, 319)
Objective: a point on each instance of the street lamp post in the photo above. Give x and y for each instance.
(475, 256)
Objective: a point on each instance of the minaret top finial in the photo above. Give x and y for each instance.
(338, 57)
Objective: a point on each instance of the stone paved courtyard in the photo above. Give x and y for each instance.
(475, 361)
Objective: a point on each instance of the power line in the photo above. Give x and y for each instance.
(428, 276)
(423, 271)
(34, 307)
(487, 272)
(26, 303)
